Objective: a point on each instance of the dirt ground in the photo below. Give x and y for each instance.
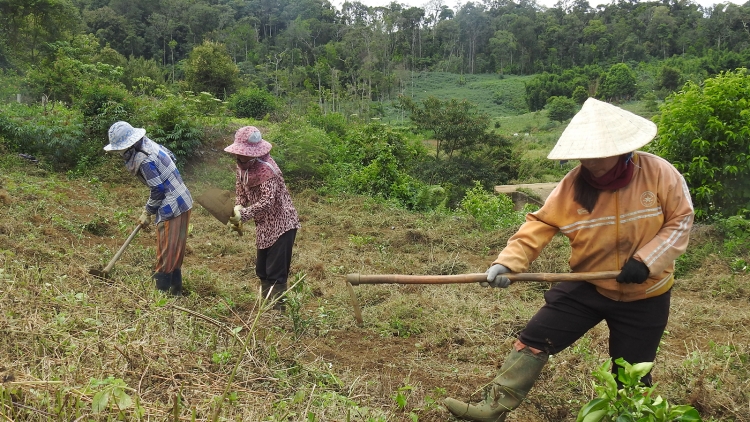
(423, 342)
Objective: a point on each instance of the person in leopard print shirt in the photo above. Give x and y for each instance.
(262, 195)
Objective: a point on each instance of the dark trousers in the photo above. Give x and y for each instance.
(272, 264)
(573, 308)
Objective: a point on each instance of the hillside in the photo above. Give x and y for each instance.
(68, 336)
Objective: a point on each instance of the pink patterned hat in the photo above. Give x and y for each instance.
(248, 142)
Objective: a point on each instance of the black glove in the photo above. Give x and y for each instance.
(633, 271)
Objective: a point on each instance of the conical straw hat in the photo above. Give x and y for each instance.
(602, 130)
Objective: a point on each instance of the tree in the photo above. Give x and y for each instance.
(705, 133)
(503, 45)
(210, 68)
(669, 78)
(26, 25)
(561, 108)
(455, 124)
(618, 83)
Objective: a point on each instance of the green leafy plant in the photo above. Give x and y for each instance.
(491, 211)
(561, 109)
(703, 132)
(111, 394)
(253, 102)
(634, 402)
(295, 300)
(175, 127)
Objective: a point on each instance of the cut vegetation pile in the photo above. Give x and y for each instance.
(75, 347)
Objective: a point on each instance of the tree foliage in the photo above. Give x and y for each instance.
(253, 102)
(618, 83)
(705, 132)
(456, 125)
(210, 68)
(561, 109)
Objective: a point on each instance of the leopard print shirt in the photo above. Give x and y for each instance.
(270, 205)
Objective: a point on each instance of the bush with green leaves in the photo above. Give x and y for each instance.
(103, 104)
(210, 68)
(704, 131)
(618, 83)
(491, 211)
(253, 102)
(334, 124)
(375, 160)
(173, 125)
(56, 135)
(580, 95)
(67, 67)
(489, 165)
(634, 401)
(301, 150)
(736, 232)
(561, 109)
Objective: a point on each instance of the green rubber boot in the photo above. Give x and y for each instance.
(506, 392)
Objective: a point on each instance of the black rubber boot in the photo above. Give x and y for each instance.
(265, 290)
(277, 294)
(506, 392)
(175, 289)
(163, 281)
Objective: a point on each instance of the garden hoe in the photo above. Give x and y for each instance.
(218, 203)
(357, 279)
(105, 272)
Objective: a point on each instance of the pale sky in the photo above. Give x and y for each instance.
(547, 3)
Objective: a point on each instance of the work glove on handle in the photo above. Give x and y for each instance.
(494, 277)
(235, 221)
(145, 219)
(633, 271)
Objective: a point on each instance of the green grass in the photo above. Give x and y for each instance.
(492, 94)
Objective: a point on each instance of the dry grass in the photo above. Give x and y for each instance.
(217, 354)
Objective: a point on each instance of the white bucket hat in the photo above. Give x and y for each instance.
(123, 136)
(602, 130)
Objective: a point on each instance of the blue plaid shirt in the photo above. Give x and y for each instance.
(169, 195)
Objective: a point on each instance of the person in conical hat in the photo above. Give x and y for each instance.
(262, 196)
(169, 200)
(623, 211)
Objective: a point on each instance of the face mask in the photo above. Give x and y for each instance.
(243, 162)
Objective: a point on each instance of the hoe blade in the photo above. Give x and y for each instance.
(218, 203)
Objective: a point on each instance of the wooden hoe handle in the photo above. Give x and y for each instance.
(356, 278)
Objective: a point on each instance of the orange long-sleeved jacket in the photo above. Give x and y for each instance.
(649, 219)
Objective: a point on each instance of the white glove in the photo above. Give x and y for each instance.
(235, 221)
(494, 277)
(236, 218)
(145, 219)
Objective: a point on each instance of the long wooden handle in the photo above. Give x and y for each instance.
(122, 249)
(356, 278)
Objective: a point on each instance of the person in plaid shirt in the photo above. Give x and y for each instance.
(170, 200)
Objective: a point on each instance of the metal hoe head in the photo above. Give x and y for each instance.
(218, 203)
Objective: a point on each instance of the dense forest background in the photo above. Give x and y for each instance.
(315, 76)
(309, 48)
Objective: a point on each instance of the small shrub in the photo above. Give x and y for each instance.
(56, 134)
(580, 95)
(489, 210)
(102, 105)
(561, 108)
(255, 103)
(634, 401)
(175, 127)
(736, 232)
